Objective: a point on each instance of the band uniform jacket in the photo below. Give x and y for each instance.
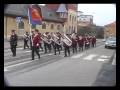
(36, 40)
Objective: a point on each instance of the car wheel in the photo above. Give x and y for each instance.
(105, 47)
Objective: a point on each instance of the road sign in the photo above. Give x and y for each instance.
(18, 19)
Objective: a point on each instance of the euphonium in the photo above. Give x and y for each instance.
(66, 40)
(45, 38)
(56, 39)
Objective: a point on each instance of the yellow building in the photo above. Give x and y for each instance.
(53, 21)
(110, 30)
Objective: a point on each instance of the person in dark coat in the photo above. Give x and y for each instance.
(26, 39)
(13, 42)
(35, 44)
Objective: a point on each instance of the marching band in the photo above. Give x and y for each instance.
(56, 41)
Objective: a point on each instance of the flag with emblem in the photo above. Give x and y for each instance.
(34, 14)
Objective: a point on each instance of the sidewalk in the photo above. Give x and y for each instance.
(107, 75)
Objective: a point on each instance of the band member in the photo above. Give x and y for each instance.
(74, 43)
(49, 44)
(80, 43)
(57, 44)
(31, 36)
(66, 48)
(86, 42)
(13, 42)
(26, 39)
(35, 45)
(93, 41)
(40, 44)
(45, 43)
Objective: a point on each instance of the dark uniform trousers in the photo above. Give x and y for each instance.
(80, 46)
(74, 47)
(57, 47)
(45, 47)
(26, 43)
(67, 50)
(49, 47)
(13, 49)
(35, 49)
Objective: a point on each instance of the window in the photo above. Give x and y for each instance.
(43, 26)
(52, 26)
(21, 25)
(33, 26)
(58, 27)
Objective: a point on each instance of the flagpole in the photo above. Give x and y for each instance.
(30, 27)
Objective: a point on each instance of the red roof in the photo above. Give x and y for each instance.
(111, 24)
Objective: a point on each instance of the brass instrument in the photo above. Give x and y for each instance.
(66, 40)
(44, 37)
(56, 39)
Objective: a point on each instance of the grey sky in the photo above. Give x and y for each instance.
(102, 13)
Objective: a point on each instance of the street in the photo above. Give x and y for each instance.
(79, 69)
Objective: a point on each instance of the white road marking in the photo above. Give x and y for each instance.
(90, 57)
(6, 68)
(10, 49)
(28, 51)
(103, 56)
(77, 56)
(101, 59)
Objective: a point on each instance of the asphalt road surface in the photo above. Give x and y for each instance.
(80, 69)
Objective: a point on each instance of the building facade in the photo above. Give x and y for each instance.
(56, 18)
(110, 30)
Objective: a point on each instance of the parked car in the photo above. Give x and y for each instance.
(110, 42)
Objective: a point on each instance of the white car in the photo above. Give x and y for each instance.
(110, 42)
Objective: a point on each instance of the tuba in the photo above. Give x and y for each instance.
(66, 40)
(44, 37)
(56, 39)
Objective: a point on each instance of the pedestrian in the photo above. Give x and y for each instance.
(35, 44)
(26, 39)
(13, 42)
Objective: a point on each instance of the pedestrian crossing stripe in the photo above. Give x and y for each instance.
(90, 57)
(101, 59)
(77, 56)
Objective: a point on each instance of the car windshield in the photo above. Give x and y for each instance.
(111, 39)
